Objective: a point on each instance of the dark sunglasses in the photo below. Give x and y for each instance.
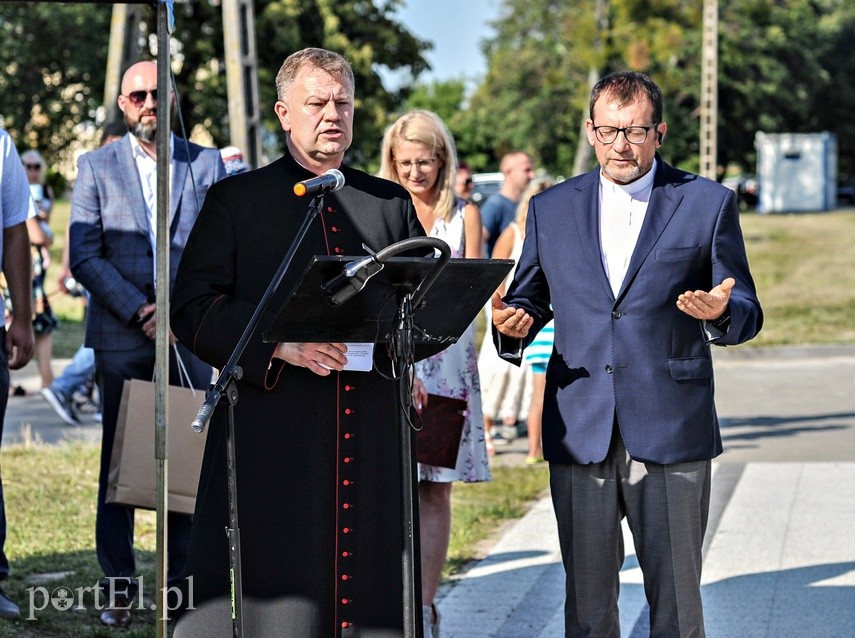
(468, 181)
(33, 167)
(137, 98)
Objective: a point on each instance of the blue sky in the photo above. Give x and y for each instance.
(456, 28)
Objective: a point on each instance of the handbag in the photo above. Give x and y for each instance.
(131, 479)
(438, 442)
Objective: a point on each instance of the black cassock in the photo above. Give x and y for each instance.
(318, 458)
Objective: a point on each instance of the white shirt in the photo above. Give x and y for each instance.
(147, 170)
(622, 212)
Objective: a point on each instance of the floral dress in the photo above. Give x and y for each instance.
(454, 373)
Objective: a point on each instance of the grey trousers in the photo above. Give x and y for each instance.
(666, 507)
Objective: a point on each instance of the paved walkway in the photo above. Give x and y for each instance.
(780, 549)
(29, 419)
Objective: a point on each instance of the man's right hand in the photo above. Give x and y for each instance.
(510, 321)
(320, 358)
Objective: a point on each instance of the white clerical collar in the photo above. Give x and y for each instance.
(299, 163)
(644, 183)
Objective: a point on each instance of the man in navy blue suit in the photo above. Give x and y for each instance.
(643, 267)
(112, 253)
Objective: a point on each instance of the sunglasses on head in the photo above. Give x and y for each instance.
(137, 98)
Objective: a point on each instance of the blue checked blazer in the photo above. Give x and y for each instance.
(110, 251)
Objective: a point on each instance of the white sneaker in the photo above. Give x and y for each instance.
(61, 406)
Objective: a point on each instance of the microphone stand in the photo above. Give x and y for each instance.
(226, 388)
(340, 289)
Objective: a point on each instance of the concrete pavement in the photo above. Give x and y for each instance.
(30, 419)
(780, 548)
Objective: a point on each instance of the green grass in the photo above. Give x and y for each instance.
(50, 503)
(50, 494)
(804, 267)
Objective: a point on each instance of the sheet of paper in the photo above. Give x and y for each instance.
(360, 357)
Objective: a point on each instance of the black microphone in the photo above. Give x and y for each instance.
(351, 280)
(329, 182)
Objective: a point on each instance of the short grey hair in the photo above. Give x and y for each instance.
(333, 63)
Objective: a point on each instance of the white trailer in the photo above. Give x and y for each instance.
(796, 171)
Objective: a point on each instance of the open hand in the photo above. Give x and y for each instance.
(510, 321)
(708, 306)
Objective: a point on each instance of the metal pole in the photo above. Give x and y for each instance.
(709, 91)
(242, 78)
(161, 403)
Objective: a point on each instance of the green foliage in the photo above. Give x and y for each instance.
(785, 66)
(772, 73)
(525, 101)
(51, 85)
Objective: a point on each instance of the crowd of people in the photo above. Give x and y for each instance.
(587, 346)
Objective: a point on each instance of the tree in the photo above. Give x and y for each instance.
(53, 77)
(49, 83)
(535, 94)
(786, 65)
(532, 79)
(772, 75)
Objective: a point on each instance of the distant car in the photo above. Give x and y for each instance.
(484, 185)
(846, 194)
(746, 188)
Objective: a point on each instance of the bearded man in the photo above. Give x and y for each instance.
(113, 254)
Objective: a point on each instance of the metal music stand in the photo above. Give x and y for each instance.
(392, 306)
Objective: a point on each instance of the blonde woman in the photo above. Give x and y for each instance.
(418, 152)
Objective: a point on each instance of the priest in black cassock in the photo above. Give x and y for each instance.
(318, 457)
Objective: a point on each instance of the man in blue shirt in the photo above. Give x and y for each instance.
(500, 208)
(18, 340)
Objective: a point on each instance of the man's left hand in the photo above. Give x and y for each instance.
(707, 306)
(19, 342)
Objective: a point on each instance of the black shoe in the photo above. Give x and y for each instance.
(8, 609)
(61, 405)
(119, 616)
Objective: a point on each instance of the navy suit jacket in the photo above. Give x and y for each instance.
(636, 356)
(110, 251)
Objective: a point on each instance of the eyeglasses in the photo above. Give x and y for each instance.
(33, 167)
(421, 165)
(633, 134)
(137, 98)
